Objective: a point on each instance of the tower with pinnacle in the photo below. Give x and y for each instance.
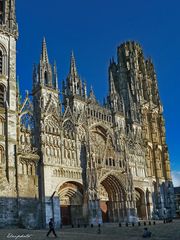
(47, 111)
(74, 90)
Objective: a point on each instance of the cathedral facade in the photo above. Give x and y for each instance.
(76, 160)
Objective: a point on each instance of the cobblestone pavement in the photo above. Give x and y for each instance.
(159, 231)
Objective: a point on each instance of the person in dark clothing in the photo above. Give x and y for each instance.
(51, 227)
(147, 233)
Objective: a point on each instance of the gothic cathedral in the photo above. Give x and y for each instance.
(74, 159)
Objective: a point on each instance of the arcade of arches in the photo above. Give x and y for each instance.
(112, 201)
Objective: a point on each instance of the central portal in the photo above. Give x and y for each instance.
(71, 200)
(112, 200)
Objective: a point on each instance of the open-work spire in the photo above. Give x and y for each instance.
(44, 53)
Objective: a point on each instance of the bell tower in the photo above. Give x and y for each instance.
(8, 133)
(47, 111)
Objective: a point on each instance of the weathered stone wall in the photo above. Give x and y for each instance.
(8, 212)
(28, 186)
(29, 213)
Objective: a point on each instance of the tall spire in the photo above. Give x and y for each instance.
(112, 89)
(73, 81)
(44, 54)
(44, 74)
(115, 100)
(73, 69)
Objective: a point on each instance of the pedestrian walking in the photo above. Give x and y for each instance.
(51, 228)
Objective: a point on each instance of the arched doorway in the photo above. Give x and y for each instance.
(71, 201)
(140, 204)
(112, 199)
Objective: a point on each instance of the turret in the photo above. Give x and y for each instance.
(153, 87)
(92, 96)
(74, 84)
(73, 88)
(43, 74)
(114, 99)
(85, 90)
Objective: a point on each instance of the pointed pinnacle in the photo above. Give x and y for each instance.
(73, 69)
(112, 88)
(44, 54)
(91, 90)
(55, 67)
(91, 94)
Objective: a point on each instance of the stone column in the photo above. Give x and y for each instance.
(57, 210)
(95, 216)
(145, 211)
(52, 209)
(85, 207)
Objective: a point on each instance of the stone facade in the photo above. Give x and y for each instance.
(177, 200)
(18, 160)
(76, 160)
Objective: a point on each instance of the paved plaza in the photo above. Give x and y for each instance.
(160, 231)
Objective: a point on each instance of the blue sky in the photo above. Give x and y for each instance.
(94, 29)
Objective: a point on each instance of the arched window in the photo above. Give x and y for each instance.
(1, 155)
(113, 162)
(3, 60)
(46, 78)
(30, 169)
(1, 126)
(55, 152)
(1, 11)
(65, 153)
(69, 154)
(2, 95)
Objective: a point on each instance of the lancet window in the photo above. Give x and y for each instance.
(1, 126)
(2, 95)
(1, 155)
(1, 11)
